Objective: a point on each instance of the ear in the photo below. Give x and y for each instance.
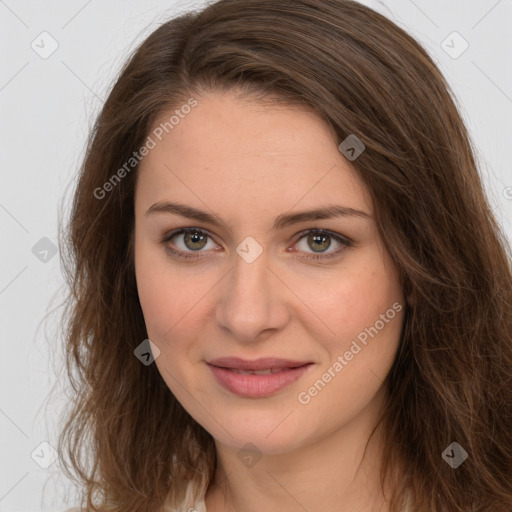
(410, 300)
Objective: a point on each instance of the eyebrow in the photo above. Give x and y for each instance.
(280, 222)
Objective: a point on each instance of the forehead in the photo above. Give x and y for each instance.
(260, 156)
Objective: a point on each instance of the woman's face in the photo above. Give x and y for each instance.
(258, 284)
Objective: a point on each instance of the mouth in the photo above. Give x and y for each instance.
(268, 371)
(262, 364)
(261, 378)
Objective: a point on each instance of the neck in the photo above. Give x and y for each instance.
(329, 473)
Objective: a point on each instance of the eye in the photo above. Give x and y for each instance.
(195, 239)
(320, 240)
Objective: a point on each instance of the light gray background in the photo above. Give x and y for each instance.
(47, 108)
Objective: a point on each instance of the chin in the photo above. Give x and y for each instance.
(267, 432)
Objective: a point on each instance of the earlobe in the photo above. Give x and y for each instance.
(410, 300)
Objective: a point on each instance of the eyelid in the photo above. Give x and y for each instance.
(184, 230)
(337, 236)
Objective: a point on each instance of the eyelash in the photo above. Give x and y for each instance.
(180, 254)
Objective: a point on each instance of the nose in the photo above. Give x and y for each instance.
(253, 301)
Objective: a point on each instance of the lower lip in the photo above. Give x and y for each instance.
(255, 386)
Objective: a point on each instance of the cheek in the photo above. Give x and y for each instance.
(153, 295)
(354, 300)
(370, 328)
(164, 307)
(159, 291)
(172, 298)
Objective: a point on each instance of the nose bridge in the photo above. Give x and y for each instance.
(250, 301)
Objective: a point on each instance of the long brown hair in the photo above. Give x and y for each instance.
(130, 444)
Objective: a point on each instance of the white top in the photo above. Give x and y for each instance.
(199, 505)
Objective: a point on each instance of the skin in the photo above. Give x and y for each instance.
(248, 162)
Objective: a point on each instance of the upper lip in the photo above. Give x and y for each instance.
(263, 363)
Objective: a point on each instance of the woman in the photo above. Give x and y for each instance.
(288, 288)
